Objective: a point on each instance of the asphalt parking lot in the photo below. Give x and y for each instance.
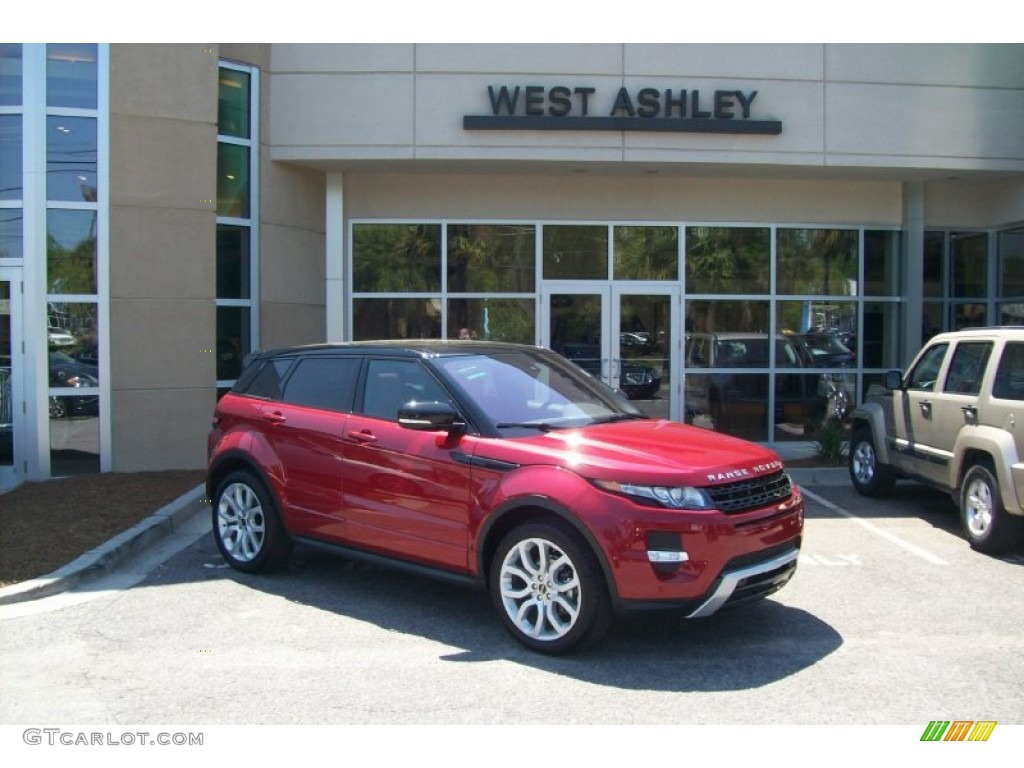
(891, 619)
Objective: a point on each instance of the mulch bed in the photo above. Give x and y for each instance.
(46, 525)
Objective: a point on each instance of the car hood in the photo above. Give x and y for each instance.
(647, 451)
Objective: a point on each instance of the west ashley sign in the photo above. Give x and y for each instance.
(562, 108)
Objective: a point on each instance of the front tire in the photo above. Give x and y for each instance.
(988, 526)
(869, 477)
(247, 526)
(548, 589)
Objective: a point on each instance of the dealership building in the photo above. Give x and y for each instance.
(693, 224)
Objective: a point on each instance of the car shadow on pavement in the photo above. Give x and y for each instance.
(738, 649)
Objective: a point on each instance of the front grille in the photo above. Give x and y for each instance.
(733, 498)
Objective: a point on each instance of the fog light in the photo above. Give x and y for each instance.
(663, 556)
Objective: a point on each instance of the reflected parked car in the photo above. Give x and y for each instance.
(636, 380)
(65, 371)
(737, 400)
(822, 349)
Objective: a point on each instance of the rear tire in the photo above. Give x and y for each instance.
(247, 526)
(548, 589)
(987, 525)
(869, 477)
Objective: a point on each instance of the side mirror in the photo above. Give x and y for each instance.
(430, 417)
(893, 380)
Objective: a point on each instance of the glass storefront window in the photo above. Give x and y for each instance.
(11, 233)
(233, 181)
(492, 319)
(969, 259)
(396, 319)
(736, 403)
(727, 316)
(1011, 313)
(646, 253)
(573, 252)
(10, 74)
(233, 340)
(817, 262)
(10, 157)
(74, 433)
(397, 258)
(71, 153)
(968, 315)
(882, 262)
(931, 320)
(71, 251)
(233, 104)
(491, 257)
(728, 260)
(1011, 263)
(71, 70)
(934, 247)
(881, 329)
(73, 330)
(233, 259)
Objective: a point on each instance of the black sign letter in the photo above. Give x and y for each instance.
(503, 100)
(623, 104)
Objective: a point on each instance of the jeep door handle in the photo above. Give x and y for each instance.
(362, 437)
(970, 414)
(926, 409)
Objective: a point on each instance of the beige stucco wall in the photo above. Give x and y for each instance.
(163, 134)
(588, 197)
(842, 106)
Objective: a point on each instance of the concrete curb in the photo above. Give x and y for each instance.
(109, 555)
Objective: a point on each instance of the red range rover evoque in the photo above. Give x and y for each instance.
(502, 466)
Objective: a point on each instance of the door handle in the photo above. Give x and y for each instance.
(362, 437)
(970, 414)
(926, 409)
(275, 418)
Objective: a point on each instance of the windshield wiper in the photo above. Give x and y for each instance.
(543, 426)
(619, 417)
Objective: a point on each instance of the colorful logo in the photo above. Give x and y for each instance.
(958, 730)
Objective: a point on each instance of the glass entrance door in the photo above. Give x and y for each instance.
(10, 381)
(621, 334)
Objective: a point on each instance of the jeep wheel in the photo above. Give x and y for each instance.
(868, 476)
(548, 590)
(988, 526)
(246, 525)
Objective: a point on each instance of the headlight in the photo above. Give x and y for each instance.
(683, 497)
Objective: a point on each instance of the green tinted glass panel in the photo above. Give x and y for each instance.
(969, 261)
(233, 100)
(71, 251)
(882, 263)
(234, 341)
(233, 181)
(396, 319)
(492, 319)
(575, 252)
(728, 260)
(646, 253)
(233, 259)
(491, 257)
(817, 262)
(396, 258)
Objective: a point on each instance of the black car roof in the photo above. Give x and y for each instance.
(399, 348)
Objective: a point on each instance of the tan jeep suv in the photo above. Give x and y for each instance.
(951, 422)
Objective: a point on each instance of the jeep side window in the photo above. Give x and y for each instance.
(926, 372)
(1009, 383)
(323, 382)
(967, 367)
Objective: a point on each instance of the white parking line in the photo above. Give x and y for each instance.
(912, 548)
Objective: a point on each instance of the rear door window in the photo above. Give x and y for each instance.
(967, 367)
(1009, 383)
(327, 383)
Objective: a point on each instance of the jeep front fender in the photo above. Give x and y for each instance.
(872, 416)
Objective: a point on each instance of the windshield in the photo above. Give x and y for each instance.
(539, 390)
